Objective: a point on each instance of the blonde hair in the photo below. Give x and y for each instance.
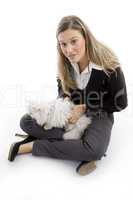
(96, 51)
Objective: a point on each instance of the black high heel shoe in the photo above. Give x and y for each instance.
(15, 147)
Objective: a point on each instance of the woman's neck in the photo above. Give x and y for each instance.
(83, 64)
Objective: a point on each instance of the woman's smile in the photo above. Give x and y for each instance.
(72, 57)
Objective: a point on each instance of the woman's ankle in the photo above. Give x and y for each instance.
(25, 148)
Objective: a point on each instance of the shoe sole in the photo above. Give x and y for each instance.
(87, 168)
(10, 151)
(21, 135)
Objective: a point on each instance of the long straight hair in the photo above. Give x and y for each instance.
(97, 52)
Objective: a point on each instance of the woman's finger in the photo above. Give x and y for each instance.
(73, 120)
(69, 120)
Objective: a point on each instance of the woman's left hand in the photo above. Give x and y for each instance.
(76, 113)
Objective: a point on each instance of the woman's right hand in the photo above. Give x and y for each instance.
(76, 113)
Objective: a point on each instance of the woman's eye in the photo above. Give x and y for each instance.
(73, 41)
(63, 44)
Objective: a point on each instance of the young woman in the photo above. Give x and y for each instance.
(90, 75)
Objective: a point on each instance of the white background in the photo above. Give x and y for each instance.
(28, 60)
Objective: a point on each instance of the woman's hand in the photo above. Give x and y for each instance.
(76, 113)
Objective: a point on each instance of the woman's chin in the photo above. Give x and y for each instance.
(74, 60)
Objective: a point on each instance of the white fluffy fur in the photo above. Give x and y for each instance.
(55, 114)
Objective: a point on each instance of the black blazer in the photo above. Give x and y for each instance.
(101, 93)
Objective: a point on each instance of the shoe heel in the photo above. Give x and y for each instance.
(10, 152)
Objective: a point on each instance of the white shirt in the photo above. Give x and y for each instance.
(83, 78)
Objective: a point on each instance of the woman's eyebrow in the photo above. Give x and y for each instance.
(74, 37)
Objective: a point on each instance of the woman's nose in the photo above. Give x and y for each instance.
(69, 50)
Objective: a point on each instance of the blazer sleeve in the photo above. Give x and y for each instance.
(117, 91)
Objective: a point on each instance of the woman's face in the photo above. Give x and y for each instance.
(72, 44)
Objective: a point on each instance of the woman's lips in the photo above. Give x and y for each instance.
(72, 56)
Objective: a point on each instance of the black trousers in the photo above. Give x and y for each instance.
(92, 146)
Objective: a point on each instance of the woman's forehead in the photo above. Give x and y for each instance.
(68, 35)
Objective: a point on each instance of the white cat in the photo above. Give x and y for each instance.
(55, 114)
